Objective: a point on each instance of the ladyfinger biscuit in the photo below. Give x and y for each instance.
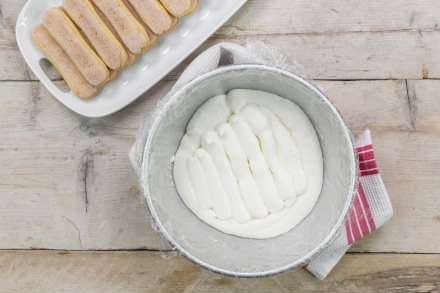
(154, 15)
(152, 36)
(64, 32)
(194, 4)
(131, 57)
(124, 23)
(177, 8)
(62, 63)
(111, 75)
(83, 14)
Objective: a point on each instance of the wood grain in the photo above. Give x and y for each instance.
(78, 168)
(63, 271)
(379, 105)
(425, 96)
(324, 17)
(396, 44)
(386, 55)
(67, 176)
(66, 183)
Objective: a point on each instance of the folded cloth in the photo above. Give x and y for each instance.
(370, 209)
(221, 54)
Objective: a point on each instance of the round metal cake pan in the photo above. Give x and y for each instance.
(233, 255)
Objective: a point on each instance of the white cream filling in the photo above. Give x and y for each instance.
(250, 164)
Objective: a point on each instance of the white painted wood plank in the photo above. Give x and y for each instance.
(66, 181)
(350, 56)
(46, 151)
(50, 156)
(326, 17)
(52, 271)
(425, 96)
(394, 44)
(353, 56)
(379, 105)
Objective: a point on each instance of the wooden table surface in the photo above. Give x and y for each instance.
(72, 218)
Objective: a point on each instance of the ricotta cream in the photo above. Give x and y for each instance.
(249, 164)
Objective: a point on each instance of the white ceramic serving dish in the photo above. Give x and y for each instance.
(133, 81)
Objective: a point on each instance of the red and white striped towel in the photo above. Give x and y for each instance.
(371, 208)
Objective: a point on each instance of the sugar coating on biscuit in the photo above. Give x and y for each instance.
(177, 7)
(64, 32)
(125, 25)
(98, 34)
(154, 15)
(91, 40)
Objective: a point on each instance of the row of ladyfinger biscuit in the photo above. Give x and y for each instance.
(88, 41)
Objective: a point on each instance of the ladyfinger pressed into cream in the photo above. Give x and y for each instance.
(129, 30)
(107, 46)
(65, 33)
(154, 15)
(62, 63)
